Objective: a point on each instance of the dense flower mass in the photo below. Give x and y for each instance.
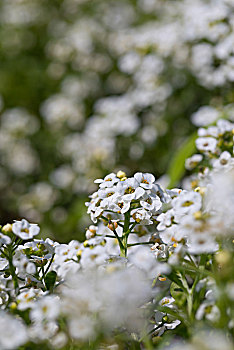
(155, 261)
(88, 88)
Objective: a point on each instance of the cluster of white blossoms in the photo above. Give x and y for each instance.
(214, 142)
(144, 268)
(45, 282)
(118, 194)
(119, 76)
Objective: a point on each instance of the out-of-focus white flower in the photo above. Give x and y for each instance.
(82, 328)
(13, 332)
(220, 199)
(26, 299)
(47, 308)
(206, 144)
(4, 239)
(24, 229)
(208, 311)
(204, 116)
(224, 160)
(192, 162)
(187, 202)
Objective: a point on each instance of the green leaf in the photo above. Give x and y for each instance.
(178, 294)
(50, 280)
(176, 168)
(174, 278)
(169, 311)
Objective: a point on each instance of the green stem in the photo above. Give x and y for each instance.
(126, 232)
(50, 263)
(103, 217)
(139, 243)
(12, 270)
(119, 241)
(109, 236)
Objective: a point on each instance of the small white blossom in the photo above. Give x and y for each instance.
(206, 144)
(24, 229)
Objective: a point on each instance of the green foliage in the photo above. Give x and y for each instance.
(50, 280)
(176, 168)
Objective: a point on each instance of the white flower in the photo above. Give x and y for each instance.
(64, 252)
(24, 229)
(192, 162)
(26, 299)
(220, 199)
(209, 311)
(24, 266)
(93, 257)
(120, 204)
(171, 235)
(13, 332)
(151, 202)
(224, 126)
(202, 244)
(106, 193)
(167, 301)
(94, 207)
(82, 327)
(46, 308)
(187, 202)
(42, 330)
(4, 239)
(164, 196)
(144, 259)
(141, 216)
(174, 192)
(65, 268)
(59, 340)
(206, 144)
(145, 180)
(130, 189)
(204, 116)
(108, 181)
(224, 160)
(165, 219)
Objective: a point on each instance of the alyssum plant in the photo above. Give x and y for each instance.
(156, 267)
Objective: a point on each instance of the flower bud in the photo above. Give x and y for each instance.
(7, 228)
(112, 225)
(200, 190)
(86, 244)
(91, 232)
(13, 306)
(121, 174)
(223, 258)
(197, 215)
(78, 254)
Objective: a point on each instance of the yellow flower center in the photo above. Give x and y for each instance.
(129, 190)
(110, 194)
(187, 203)
(26, 230)
(144, 181)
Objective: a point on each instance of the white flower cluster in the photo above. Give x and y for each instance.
(119, 195)
(214, 141)
(85, 280)
(71, 291)
(154, 260)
